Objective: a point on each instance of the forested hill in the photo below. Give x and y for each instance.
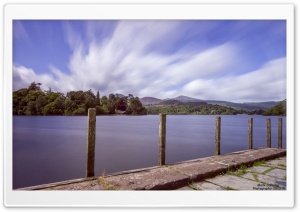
(278, 110)
(34, 101)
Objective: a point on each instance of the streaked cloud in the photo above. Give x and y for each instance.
(139, 58)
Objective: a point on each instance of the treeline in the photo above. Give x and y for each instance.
(34, 101)
(204, 109)
(207, 109)
(278, 110)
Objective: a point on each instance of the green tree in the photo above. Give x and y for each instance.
(135, 107)
(278, 110)
(121, 103)
(34, 86)
(111, 103)
(77, 96)
(104, 100)
(97, 101)
(70, 107)
(18, 101)
(30, 109)
(40, 102)
(79, 112)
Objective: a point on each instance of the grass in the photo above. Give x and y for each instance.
(102, 181)
(240, 172)
(229, 188)
(255, 177)
(230, 171)
(268, 170)
(281, 164)
(258, 163)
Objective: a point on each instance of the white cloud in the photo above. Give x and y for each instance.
(266, 83)
(22, 77)
(122, 65)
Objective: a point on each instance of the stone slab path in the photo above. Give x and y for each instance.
(263, 175)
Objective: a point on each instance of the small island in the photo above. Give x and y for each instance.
(33, 101)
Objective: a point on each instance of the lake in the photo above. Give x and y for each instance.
(49, 149)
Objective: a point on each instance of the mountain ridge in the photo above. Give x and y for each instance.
(265, 105)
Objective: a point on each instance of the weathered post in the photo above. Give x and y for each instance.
(268, 133)
(250, 133)
(279, 133)
(90, 146)
(217, 135)
(162, 139)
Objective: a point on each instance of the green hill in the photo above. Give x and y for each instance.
(278, 110)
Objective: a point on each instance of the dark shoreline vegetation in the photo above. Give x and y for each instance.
(32, 101)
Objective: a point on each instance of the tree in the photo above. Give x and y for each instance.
(70, 107)
(97, 102)
(34, 101)
(89, 102)
(59, 107)
(77, 96)
(40, 102)
(111, 103)
(278, 110)
(48, 109)
(135, 107)
(34, 86)
(121, 103)
(31, 110)
(104, 100)
(79, 112)
(18, 101)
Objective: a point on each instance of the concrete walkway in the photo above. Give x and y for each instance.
(263, 175)
(223, 172)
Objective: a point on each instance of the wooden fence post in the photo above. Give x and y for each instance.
(90, 146)
(279, 133)
(268, 133)
(250, 133)
(162, 139)
(217, 135)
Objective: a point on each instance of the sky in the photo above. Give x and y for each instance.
(229, 60)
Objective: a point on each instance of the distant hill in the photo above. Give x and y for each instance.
(119, 95)
(184, 100)
(170, 101)
(246, 105)
(150, 101)
(278, 110)
(187, 99)
(262, 105)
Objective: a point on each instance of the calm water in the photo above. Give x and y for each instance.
(52, 148)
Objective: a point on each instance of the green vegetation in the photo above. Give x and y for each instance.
(33, 101)
(268, 170)
(240, 172)
(259, 163)
(106, 184)
(282, 165)
(278, 110)
(185, 109)
(255, 177)
(229, 188)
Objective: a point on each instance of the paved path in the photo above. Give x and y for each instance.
(199, 174)
(263, 175)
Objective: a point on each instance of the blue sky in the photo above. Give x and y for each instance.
(238, 61)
